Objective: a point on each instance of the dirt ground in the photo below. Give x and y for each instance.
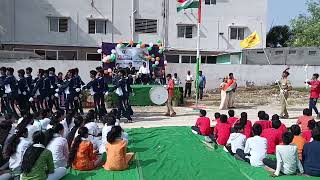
(250, 100)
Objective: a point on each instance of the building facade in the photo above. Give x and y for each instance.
(74, 29)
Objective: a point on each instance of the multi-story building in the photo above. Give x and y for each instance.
(74, 29)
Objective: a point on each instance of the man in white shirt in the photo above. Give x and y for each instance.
(189, 80)
(287, 158)
(144, 73)
(255, 149)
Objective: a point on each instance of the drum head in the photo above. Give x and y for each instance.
(158, 95)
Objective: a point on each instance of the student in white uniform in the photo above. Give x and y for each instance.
(109, 122)
(17, 145)
(255, 149)
(287, 158)
(58, 145)
(236, 140)
(68, 123)
(27, 122)
(41, 119)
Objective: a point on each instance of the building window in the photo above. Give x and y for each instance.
(172, 58)
(58, 24)
(279, 52)
(312, 53)
(97, 26)
(94, 57)
(211, 59)
(203, 59)
(51, 55)
(292, 51)
(208, 2)
(41, 53)
(67, 55)
(146, 25)
(236, 33)
(185, 59)
(185, 31)
(193, 59)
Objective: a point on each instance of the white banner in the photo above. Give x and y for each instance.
(131, 54)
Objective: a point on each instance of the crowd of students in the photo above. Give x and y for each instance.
(44, 144)
(297, 149)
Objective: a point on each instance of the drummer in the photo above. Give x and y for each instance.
(170, 88)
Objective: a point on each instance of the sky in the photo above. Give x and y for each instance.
(280, 12)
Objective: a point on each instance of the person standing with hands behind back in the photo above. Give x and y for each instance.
(170, 88)
(285, 87)
(188, 85)
(314, 93)
(202, 84)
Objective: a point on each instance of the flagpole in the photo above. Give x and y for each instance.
(198, 55)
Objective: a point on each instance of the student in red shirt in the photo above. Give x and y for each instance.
(314, 93)
(282, 127)
(246, 125)
(222, 131)
(263, 120)
(307, 133)
(303, 120)
(273, 136)
(170, 88)
(202, 126)
(232, 120)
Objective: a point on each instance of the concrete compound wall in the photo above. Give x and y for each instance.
(258, 75)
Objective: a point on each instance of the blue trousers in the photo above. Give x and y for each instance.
(313, 105)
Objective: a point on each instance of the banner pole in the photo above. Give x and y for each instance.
(198, 66)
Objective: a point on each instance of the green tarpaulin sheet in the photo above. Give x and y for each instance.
(176, 153)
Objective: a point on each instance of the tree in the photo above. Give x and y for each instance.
(279, 36)
(306, 28)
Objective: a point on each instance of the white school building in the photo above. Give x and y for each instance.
(74, 29)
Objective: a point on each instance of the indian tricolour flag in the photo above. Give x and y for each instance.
(186, 4)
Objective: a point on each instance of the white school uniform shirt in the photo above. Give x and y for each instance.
(237, 141)
(60, 151)
(105, 130)
(257, 148)
(66, 128)
(42, 124)
(287, 159)
(16, 158)
(31, 130)
(144, 70)
(189, 77)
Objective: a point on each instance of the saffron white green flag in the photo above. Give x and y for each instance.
(186, 4)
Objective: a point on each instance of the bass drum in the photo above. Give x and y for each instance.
(158, 95)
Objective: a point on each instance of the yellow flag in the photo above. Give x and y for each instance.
(250, 41)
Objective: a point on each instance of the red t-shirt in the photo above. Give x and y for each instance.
(273, 137)
(264, 124)
(303, 122)
(222, 132)
(315, 89)
(170, 87)
(232, 120)
(247, 129)
(204, 125)
(282, 129)
(307, 135)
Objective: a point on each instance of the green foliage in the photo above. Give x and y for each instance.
(279, 35)
(306, 28)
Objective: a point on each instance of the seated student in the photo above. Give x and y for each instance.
(263, 120)
(109, 122)
(232, 120)
(217, 117)
(298, 140)
(255, 149)
(58, 145)
(27, 122)
(310, 155)
(307, 133)
(303, 120)
(41, 119)
(5, 128)
(17, 145)
(236, 140)
(117, 157)
(37, 162)
(56, 118)
(287, 158)
(202, 126)
(273, 136)
(221, 131)
(246, 125)
(282, 127)
(93, 128)
(82, 155)
(68, 123)
(78, 122)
